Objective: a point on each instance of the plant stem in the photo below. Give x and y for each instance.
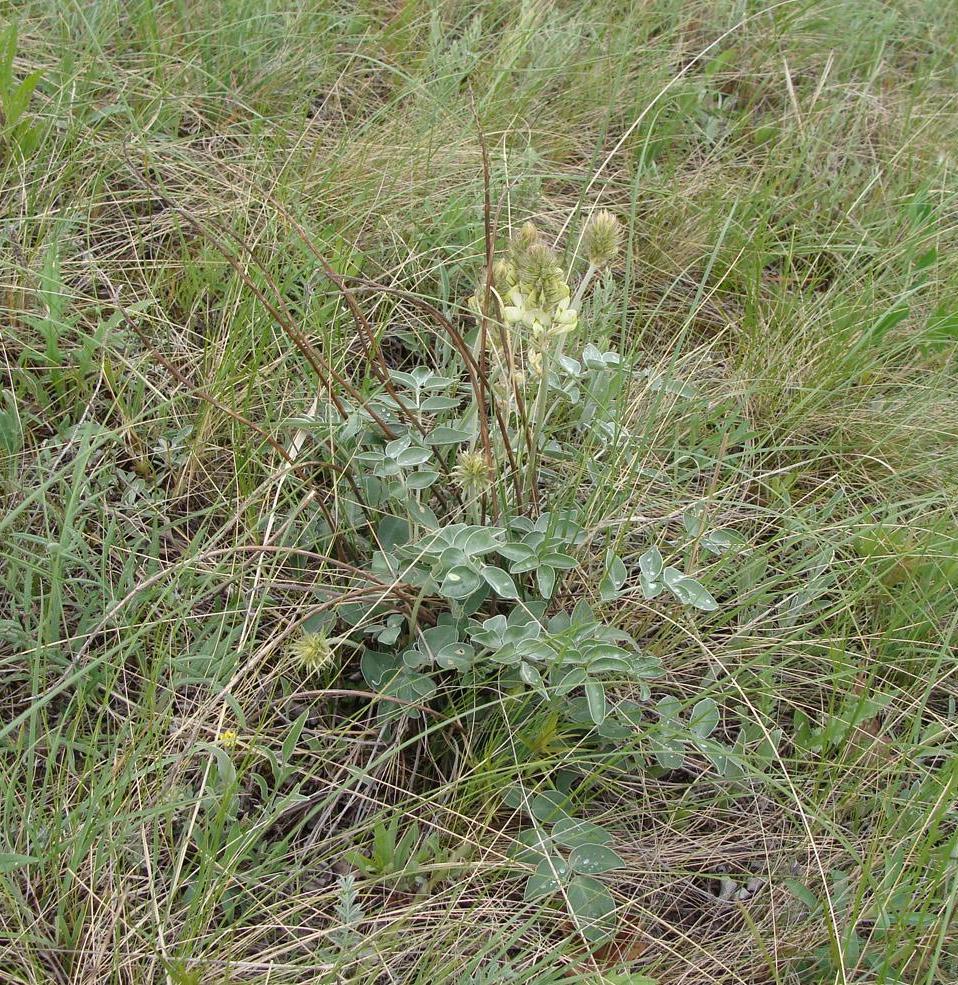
(583, 284)
(414, 612)
(538, 416)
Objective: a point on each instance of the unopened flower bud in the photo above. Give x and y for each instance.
(522, 241)
(541, 280)
(503, 275)
(537, 264)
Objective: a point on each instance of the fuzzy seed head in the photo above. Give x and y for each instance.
(602, 239)
(313, 651)
(472, 473)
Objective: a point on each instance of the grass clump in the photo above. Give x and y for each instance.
(478, 492)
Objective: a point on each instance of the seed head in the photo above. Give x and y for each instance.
(602, 239)
(472, 473)
(313, 651)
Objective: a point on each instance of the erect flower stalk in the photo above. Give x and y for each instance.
(538, 307)
(541, 301)
(601, 242)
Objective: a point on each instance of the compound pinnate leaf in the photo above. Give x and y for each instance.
(378, 667)
(669, 753)
(413, 456)
(650, 587)
(705, 718)
(395, 448)
(556, 559)
(570, 681)
(443, 435)
(460, 582)
(614, 577)
(530, 846)
(688, 591)
(650, 564)
(546, 580)
(595, 696)
(422, 479)
(433, 404)
(456, 656)
(514, 796)
(436, 637)
(479, 540)
(516, 552)
(533, 678)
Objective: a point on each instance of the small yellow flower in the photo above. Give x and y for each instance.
(512, 309)
(313, 651)
(228, 739)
